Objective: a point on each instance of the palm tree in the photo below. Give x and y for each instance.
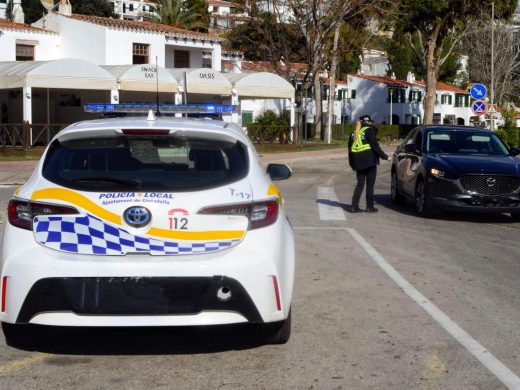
(187, 14)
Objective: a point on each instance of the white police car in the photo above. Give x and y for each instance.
(148, 222)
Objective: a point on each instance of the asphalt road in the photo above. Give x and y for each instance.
(381, 301)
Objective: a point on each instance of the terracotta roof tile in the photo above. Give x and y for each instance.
(7, 25)
(384, 80)
(143, 27)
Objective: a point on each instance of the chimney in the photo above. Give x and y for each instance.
(18, 15)
(65, 8)
(410, 77)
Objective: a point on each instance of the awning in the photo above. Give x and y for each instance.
(142, 78)
(203, 80)
(261, 85)
(65, 73)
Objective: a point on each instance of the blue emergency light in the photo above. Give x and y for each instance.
(127, 108)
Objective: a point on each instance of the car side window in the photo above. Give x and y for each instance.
(418, 141)
(410, 137)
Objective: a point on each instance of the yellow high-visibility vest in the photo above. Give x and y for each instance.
(358, 145)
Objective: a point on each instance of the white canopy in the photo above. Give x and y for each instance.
(261, 85)
(142, 78)
(64, 73)
(203, 80)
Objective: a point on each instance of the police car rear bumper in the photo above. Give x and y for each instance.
(259, 274)
(156, 296)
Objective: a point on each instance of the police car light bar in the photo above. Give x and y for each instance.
(104, 108)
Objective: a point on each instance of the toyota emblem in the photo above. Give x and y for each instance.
(137, 216)
(491, 181)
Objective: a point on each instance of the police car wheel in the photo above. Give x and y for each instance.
(276, 332)
(515, 217)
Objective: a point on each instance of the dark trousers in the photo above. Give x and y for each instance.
(368, 175)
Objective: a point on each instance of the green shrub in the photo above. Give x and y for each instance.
(503, 135)
(510, 127)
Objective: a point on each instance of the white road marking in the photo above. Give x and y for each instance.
(504, 374)
(328, 205)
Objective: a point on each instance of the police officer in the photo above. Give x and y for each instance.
(364, 154)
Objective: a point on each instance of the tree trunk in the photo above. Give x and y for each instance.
(318, 119)
(431, 75)
(332, 85)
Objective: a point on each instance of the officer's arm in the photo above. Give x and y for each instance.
(374, 145)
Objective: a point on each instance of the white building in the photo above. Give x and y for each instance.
(392, 101)
(134, 9)
(225, 15)
(45, 69)
(374, 62)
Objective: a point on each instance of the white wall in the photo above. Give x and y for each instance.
(82, 40)
(45, 49)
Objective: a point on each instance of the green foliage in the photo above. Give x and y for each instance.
(269, 128)
(502, 134)
(510, 128)
(188, 14)
(9, 10)
(92, 7)
(33, 9)
(403, 60)
(263, 39)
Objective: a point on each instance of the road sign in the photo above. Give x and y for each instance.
(479, 107)
(478, 91)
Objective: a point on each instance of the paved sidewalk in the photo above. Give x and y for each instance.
(15, 173)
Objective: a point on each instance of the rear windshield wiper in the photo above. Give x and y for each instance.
(126, 182)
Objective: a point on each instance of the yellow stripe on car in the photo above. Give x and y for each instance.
(78, 200)
(204, 236)
(273, 190)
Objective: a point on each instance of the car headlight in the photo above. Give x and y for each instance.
(437, 172)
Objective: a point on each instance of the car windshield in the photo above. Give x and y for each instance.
(146, 163)
(464, 142)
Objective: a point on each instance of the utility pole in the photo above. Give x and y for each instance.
(492, 92)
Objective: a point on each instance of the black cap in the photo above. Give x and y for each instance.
(365, 118)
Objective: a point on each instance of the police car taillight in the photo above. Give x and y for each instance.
(260, 214)
(21, 213)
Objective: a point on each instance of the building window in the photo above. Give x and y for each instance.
(130, 7)
(206, 63)
(141, 53)
(353, 94)
(24, 52)
(247, 117)
(181, 59)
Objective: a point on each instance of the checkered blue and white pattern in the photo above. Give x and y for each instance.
(88, 234)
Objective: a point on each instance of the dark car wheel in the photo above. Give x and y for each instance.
(276, 332)
(422, 204)
(395, 196)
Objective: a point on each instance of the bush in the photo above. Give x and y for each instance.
(503, 135)
(269, 127)
(510, 128)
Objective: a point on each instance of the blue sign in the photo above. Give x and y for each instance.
(478, 91)
(479, 107)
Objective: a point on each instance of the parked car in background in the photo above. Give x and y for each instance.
(443, 167)
(149, 222)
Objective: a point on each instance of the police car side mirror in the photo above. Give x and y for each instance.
(514, 151)
(278, 171)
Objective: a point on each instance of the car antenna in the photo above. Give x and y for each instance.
(157, 113)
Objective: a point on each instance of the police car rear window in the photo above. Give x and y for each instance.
(148, 163)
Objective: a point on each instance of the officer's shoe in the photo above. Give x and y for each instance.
(355, 209)
(371, 209)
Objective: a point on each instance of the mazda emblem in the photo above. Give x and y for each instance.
(491, 181)
(137, 216)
